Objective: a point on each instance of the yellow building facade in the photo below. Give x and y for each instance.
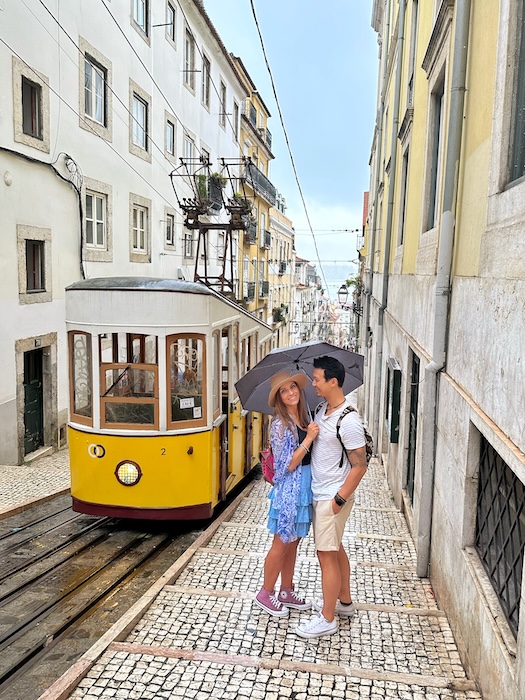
(443, 280)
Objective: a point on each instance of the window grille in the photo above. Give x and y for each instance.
(500, 529)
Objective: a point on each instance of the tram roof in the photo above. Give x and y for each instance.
(143, 284)
(156, 284)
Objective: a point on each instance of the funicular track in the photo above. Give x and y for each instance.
(64, 579)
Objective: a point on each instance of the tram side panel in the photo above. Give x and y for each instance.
(157, 477)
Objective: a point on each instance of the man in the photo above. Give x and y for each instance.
(334, 481)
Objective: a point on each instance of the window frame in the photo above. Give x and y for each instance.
(189, 60)
(77, 417)
(142, 25)
(90, 53)
(138, 96)
(95, 221)
(101, 72)
(206, 81)
(194, 422)
(34, 233)
(21, 71)
(137, 203)
(171, 24)
(222, 104)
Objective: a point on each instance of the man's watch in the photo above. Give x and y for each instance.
(339, 500)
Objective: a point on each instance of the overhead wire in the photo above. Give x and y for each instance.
(285, 132)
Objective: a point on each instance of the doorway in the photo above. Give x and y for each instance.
(33, 401)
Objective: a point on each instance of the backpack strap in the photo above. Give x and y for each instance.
(318, 408)
(346, 411)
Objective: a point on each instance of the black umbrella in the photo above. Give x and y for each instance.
(254, 387)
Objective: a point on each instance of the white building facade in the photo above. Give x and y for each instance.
(98, 107)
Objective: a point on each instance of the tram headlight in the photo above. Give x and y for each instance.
(128, 473)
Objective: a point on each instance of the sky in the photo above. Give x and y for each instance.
(323, 57)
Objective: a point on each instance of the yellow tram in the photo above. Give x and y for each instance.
(156, 429)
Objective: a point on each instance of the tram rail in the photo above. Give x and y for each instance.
(58, 567)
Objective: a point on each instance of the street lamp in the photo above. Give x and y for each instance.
(342, 294)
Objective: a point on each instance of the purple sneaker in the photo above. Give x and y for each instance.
(270, 604)
(289, 598)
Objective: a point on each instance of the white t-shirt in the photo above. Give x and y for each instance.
(327, 476)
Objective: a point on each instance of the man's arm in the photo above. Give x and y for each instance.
(357, 460)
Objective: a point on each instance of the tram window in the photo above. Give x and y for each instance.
(187, 383)
(235, 352)
(81, 385)
(216, 376)
(136, 348)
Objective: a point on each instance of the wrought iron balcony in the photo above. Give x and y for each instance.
(249, 291)
(282, 267)
(266, 136)
(266, 239)
(250, 234)
(259, 183)
(264, 288)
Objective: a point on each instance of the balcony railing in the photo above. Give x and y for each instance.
(250, 234)
(266, 136)
(249, 291)
(266, 239)
(260, 184)
(264, 288)
(282, 267)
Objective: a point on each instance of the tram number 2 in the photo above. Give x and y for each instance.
(163, 451)
(96, 450)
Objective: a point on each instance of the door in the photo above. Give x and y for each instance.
(33, 401)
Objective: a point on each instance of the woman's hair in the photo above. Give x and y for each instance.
(281, 411)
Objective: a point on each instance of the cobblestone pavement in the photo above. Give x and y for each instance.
(201, 636)
(40, 479)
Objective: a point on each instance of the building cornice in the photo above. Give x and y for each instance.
(439, 34)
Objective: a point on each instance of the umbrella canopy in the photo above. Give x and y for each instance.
(254, 387)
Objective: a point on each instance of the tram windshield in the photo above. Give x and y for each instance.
(187, 370)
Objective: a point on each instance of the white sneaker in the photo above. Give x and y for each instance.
(316, 626)
(340, 609)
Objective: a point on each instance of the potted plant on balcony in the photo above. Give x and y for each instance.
(278, 315)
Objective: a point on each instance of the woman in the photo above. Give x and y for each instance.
(290, 515)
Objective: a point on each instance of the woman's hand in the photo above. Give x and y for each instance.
(312, 431)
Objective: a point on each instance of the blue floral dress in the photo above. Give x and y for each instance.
(291, 497)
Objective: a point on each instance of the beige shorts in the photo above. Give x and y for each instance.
(328, 526)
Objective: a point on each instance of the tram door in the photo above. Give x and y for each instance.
(225, 425)
(33, 401)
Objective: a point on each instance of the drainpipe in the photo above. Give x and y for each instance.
(379, 140)
(443, 284)
(389, 215)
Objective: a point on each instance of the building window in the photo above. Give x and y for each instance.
(31, 108)
(222, 113)
(517, 165)
(189, 60)
(170, 22)
(140, 14)
(206, 76)
(500, 529)
(403, 200)
(35, 266)
(170, 230)
(170, 137)
(436, 153)
(140, 122)
(96, 220)
(188, 244)
(236, 121)
(189, 153)
(139, 229)
(94, 91)
(412, 52)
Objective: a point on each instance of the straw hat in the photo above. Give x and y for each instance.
(284, 377)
